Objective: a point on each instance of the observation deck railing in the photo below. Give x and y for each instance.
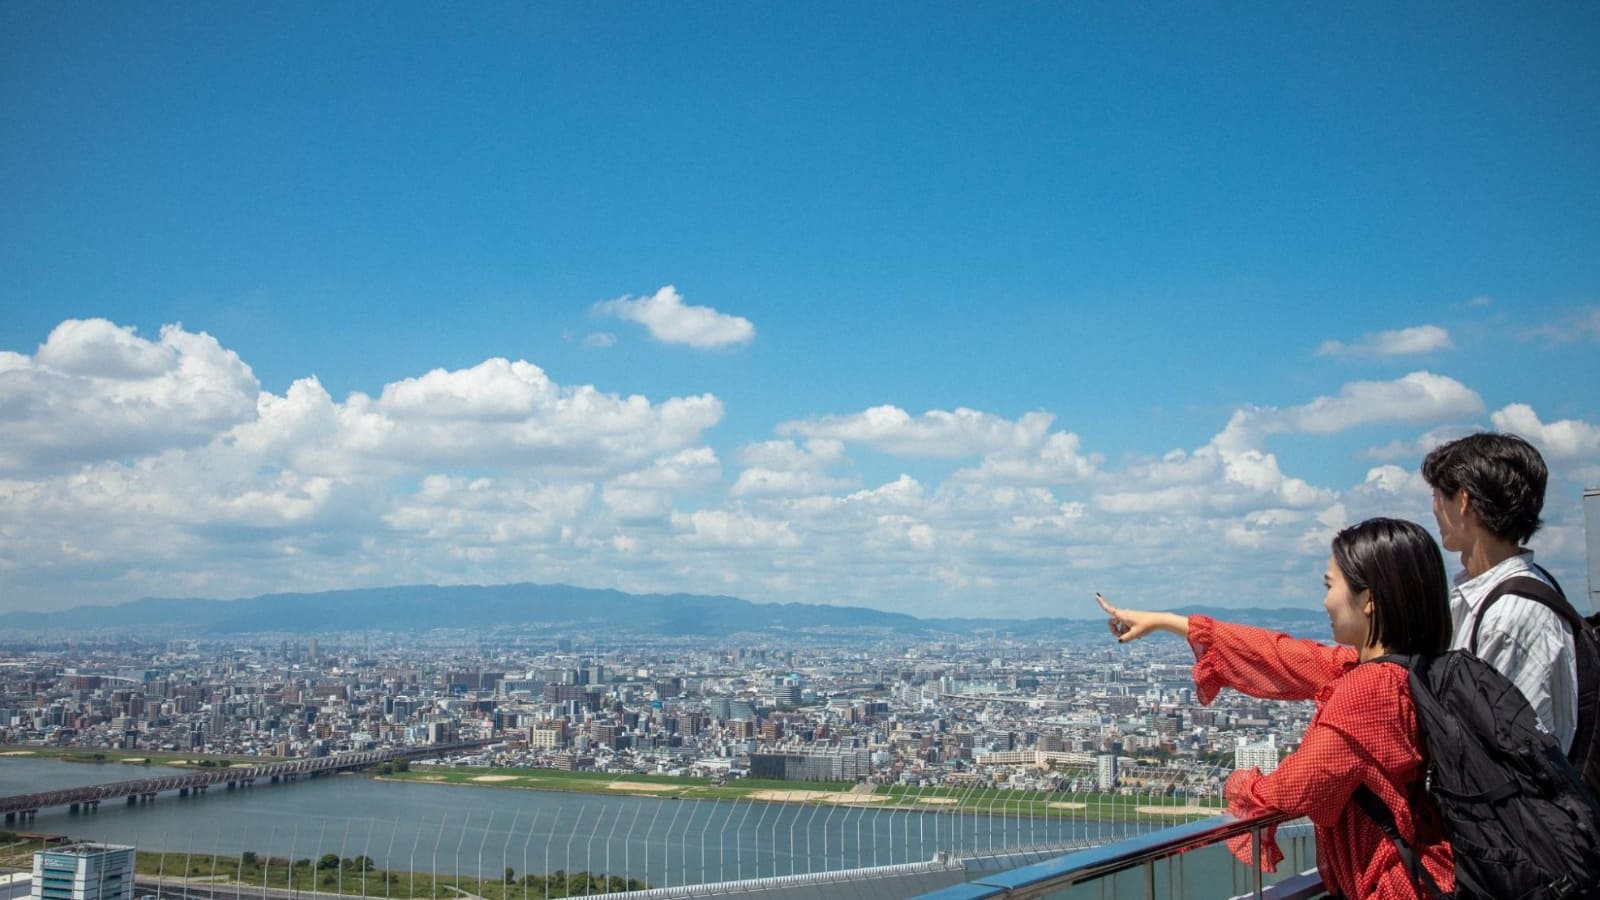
(1141, 854)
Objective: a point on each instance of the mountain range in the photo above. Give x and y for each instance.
(546, 607)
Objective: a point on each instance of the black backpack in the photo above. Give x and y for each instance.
(1520, 821)
(1585, 752)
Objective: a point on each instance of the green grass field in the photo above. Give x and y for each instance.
(993, 800)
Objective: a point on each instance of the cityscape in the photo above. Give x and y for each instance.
(1034, 714)
(502, 451)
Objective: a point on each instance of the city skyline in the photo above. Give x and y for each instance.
(946, 312)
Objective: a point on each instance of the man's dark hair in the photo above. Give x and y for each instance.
(1504, 478)
(1400, 563)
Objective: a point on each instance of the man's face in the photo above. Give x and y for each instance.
(1450, 511)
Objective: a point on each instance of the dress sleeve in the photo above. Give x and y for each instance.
(1342, 746)
(1261, 663)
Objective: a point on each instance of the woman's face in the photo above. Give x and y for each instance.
(1349, 612)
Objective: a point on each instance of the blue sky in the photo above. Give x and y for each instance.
(941, 308)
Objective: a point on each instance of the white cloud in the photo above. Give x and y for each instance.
(650, 493)
(671, 321)
(936, 433)
(1401, 342)
(600, 340)
(1417, 447)
(1569, 440)
(785, 468)
(1057, 460)
(495, 473)
(1415, 399)
(733, 528)
(510, 414)
(99, 391)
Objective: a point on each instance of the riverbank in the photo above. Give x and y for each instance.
(1136, 807)
(1141, 806)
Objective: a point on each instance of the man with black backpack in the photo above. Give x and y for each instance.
(1488, 492)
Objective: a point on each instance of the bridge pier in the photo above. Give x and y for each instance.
(10, 817)
(233, 785)
(133, 799)
(183, 792)
(72, 809)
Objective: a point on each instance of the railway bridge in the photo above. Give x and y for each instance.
(23, 807)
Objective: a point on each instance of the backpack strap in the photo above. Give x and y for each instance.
(1379, 812)
(1533, 589)
(1585, 655)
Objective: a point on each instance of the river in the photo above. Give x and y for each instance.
(485, 830)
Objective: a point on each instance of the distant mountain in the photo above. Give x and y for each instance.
(422, 607)
(548, 606)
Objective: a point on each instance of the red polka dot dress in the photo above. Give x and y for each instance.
(1364, 731)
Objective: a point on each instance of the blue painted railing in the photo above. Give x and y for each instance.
(1137, 853)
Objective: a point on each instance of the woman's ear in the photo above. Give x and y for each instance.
(1366, 603)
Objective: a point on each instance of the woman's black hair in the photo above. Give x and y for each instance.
(1400, 563)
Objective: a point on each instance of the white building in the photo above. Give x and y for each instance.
(1106, 771)
(84, 872)
(1262, 755)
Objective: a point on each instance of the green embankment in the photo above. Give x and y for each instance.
(994, 800)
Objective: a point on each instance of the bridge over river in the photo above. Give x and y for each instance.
(143, 790)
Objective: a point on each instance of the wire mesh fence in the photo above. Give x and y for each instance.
(530, 846)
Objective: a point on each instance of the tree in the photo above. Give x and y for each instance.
(248, 858)
(328, 861)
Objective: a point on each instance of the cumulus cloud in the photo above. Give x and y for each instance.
(497, 472)
(1415, 399)
(1401, 342)
(936, 433)
(787, 468)
(1568, 440)
(671, 321)
(96, 390)
(649, 493)
(1058, 459)
(1234, 474)
(511, 414)
(1417, 447)
(733, 528)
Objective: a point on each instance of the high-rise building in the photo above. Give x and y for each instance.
(1262, 755)
(1106, 771)
(84, 872)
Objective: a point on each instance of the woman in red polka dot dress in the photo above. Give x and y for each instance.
(1386, 593)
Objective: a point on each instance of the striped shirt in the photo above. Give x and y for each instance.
(1523, 639)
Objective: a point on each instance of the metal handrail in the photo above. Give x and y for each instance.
(1097, 862)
